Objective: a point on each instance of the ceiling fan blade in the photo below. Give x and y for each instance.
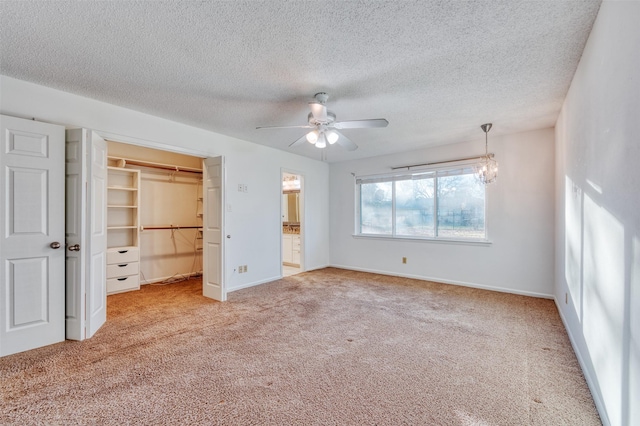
(361, 124)
(300, 141)
(286, 127)
(345, 142)
(318, 111)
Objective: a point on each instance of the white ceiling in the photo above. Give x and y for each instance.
(436, 70)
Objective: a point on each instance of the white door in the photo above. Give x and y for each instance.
(86, 294)
(212, 246)
(32, 235)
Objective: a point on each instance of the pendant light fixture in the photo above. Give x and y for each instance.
(487, 170)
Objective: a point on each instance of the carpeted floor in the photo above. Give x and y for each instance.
(328, 347)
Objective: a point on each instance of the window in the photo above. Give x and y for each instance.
(439, 204)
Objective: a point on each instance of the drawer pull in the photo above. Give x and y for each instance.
(122, 251)
(122, 266)
(122, 279)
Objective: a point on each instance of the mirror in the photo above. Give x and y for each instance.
(291, 207)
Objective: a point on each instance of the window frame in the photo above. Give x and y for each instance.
(465, 168)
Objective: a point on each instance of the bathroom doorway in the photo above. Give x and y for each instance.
(292, 214)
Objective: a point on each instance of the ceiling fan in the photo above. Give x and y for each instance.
(325, 127)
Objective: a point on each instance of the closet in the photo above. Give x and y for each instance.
(154, 217)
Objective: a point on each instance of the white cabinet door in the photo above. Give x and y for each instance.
(287, 247)
(212, 229)
(32, 247)
(295, 249)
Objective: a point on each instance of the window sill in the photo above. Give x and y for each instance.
(426, 240)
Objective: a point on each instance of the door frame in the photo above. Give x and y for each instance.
(186, 151)
(303, 221)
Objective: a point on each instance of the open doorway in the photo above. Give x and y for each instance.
(170, 221)
(292, 214)
(154, 217)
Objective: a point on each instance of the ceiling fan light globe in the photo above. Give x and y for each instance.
(332, 136)
(312, 137)
(322, 141)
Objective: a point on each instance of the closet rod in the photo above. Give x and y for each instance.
(124, 161)
(145, 228)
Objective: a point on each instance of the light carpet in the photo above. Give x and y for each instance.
(328, 347)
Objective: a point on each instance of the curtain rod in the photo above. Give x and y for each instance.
(124, 161)
(442, 162)
(149, 228)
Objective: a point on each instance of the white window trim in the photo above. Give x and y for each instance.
(386, 177)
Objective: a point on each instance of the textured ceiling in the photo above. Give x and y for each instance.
(435, 69)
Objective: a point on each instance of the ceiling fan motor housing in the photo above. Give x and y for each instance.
(331, 117)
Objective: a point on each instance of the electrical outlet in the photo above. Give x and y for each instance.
(404, 260)
(245, 188)
(245, 268)
(240, 269)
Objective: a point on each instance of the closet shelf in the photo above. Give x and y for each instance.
(122, 188)
(122, 227)
(119, 206)
(122, 162)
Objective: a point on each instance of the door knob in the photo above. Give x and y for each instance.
(228, 236)
(75, 247)
(55, 245)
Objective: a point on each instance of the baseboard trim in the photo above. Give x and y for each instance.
(253, 284)
(160, 279)
(268, 280)
(315, 268)
(591, 383)
(445, 281)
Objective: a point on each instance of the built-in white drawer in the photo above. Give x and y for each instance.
(121, 255)
(122, 269)
(117, 285)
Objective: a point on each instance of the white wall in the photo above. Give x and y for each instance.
(598, 212)
(254, 222)
(520, 220)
